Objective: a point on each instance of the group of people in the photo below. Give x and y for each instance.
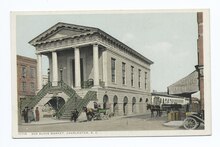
(30, 115)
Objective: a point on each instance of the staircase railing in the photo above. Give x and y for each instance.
(76, 103)
(91, 95)
(38, 97)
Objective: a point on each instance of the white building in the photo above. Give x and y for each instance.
(93, 66)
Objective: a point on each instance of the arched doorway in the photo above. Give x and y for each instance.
(115, 105)
(133, 105)
(105, 102)
(146, 102)
(141, 105)
(125, 105)
(52, 106)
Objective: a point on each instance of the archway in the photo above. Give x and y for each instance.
(133, 105)
(115, 105)
(105, 102)
(125, 105)
(55, 103)
(52, 106)
(146, 102)
(141, 105)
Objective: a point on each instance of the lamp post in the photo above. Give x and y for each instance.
(61, 74)
(48, 73)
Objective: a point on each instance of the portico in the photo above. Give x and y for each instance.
(73, 61)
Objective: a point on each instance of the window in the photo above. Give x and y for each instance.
(139, 78)
(23, 71)
(23, 86)
(123, 74)
(132, 76)
(32, 72)
(145, 79)
(113, 69)
(32, 87)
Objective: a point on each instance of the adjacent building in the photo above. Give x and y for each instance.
(26, 76)
(86, 59)
(159, 98)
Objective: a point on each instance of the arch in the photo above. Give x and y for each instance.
(125, 105)
(140, 100)
(146, 100)
(125, 100)
(115, 99)
(115, 105)
(105, 101)
(55, 103)
(133, 105)
(141, 109)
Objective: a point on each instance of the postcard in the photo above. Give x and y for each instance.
(110, 73)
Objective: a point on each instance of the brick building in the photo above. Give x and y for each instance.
(26, 76)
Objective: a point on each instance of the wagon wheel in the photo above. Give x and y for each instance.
(89, 117)
(190, 123)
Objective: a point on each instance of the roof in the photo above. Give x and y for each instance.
(186, 85)
(75, 31)
(164, 94)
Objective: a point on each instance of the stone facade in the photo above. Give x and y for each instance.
(82, 53)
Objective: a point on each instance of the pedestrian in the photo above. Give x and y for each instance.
(29, 115)
(25, 114)
(75, 115)
(37, 114)
(32, 114)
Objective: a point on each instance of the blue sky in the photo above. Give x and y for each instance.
(168, 39)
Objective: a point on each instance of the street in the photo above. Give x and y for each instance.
(123, 123)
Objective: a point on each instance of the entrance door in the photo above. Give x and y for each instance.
(81, 71)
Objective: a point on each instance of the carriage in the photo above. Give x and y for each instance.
(193, 120)
(96, 114)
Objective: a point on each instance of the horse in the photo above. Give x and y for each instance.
(89, 113)
(154, 108)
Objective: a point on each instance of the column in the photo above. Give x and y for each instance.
(55, 69)
(96, 64)
(39, 71)
(105, 67)
(77, 68)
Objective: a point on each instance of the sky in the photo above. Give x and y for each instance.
(168, 39)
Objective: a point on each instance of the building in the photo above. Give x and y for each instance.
(200, 65)
(86, 65)
(26, 76)
(159, 98)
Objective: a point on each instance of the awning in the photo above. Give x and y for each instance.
(185, 86)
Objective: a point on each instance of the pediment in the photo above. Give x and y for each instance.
(63, 33)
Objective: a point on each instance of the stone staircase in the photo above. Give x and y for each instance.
(74, 101)
(31, 102)
(78, 103)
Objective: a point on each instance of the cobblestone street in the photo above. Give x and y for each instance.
(136, 122)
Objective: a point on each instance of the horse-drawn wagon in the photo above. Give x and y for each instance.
(96, 114)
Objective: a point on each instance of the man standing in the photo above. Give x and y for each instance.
(25, 114)
(37, 114)
(75, 115)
